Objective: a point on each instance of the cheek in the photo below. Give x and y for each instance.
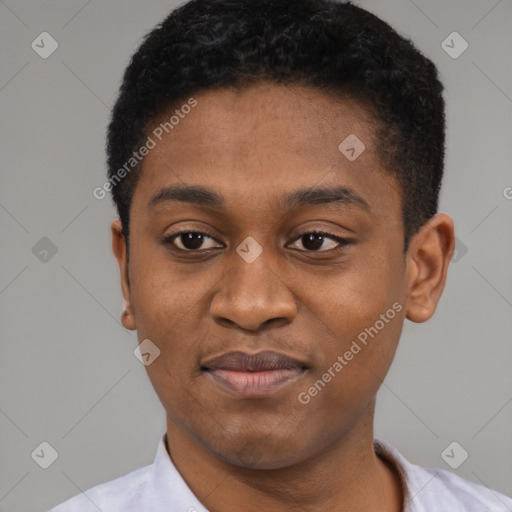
(365, 312)
(169, 307)
(352, 369)
(385, 275)
(361, 293)
(161, 295)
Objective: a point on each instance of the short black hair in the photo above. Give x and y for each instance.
(336, 47)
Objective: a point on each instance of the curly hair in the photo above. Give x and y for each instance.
(332, 46)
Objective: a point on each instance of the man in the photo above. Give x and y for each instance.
(277, 193)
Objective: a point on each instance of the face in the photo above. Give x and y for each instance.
(237, 267)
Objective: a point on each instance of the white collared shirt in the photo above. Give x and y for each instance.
(159, 487)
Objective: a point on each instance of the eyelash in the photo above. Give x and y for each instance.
(169, 240)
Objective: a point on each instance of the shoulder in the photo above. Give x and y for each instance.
(462, 495)
(120, 494)
(429, 489)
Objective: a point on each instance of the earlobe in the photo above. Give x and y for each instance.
(120, 252)
(128, 318)
(428, 257)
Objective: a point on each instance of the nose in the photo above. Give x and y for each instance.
(253, 295)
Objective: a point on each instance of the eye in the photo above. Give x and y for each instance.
(190, 241)
(313, 241)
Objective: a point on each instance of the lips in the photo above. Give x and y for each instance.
(266, 360)
(253, 375)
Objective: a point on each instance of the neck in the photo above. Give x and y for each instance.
(348, 476)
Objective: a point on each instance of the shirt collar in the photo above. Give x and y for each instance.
(166, 485)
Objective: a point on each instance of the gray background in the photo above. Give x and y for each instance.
(68, 374)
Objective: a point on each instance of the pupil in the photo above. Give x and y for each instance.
(192, 240)
(308, 241)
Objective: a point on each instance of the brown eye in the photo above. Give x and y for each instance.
(190, 241)
(317, 241)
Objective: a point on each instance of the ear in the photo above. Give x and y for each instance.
(120, 252)
(428, 257)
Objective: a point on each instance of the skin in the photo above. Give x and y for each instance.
(252, 146)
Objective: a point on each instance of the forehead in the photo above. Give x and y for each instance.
(264, 140)
(291, 120)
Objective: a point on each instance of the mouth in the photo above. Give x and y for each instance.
(254, 375)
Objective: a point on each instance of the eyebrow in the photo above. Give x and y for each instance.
(301, 198)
